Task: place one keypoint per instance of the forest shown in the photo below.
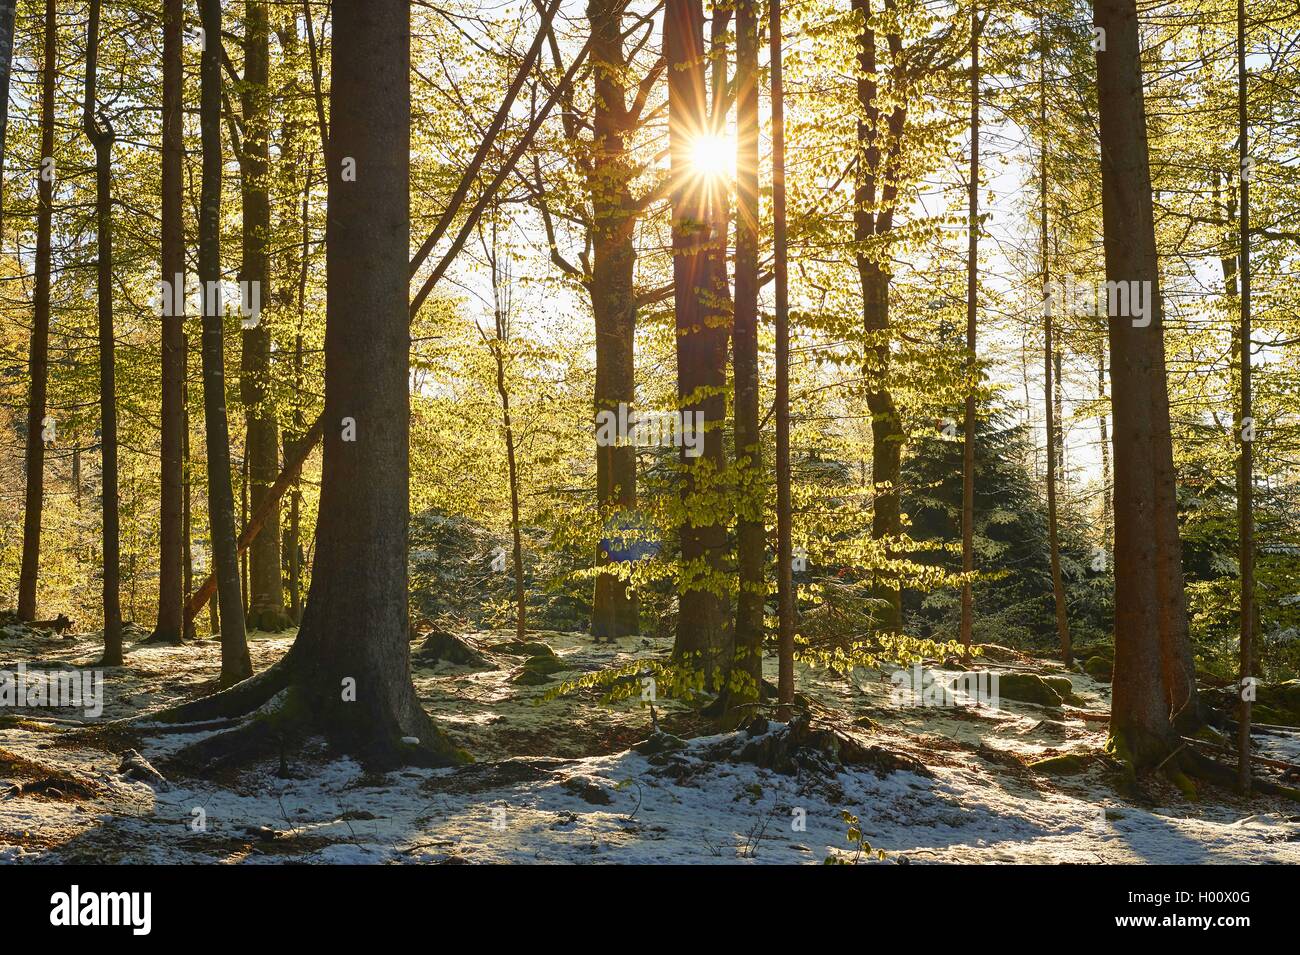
(649, 431)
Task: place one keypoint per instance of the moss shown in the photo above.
(1067, 764)
(525, 648)
(1063, 687)
(1099, 668)
(1027, 688)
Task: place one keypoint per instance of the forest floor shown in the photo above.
(559, 780)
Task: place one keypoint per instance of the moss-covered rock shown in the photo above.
(525, 648)
(537, 670)
(1063, 687)
(1067, 764)
(442, 647)
(1027, 688)
(1099, 668)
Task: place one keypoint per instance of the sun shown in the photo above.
(712, 156)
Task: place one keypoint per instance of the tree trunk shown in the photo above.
(172, 533)
(235, 664)
(7, 11)
(784, 510)
(1107, 510)
(1245, 424)
(873, 219)
(1150, 681)
(101, 136)
(1051, 396)
(355, 627)
(262, 445)
(972, 306)
(614, 610)
(701, 349)
(187, 524)
(751, 536)
(38, 356)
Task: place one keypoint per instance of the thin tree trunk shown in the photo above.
(262, 444)
(100, 133)
(7, 10)
(498, 345)
(750, 532)
(1150, 679)
(784, 510)
(972, 305)
(1245, 423)
(187, 511)
(38, 355)
(872, 219)
(171, 532)
(701, 347)
(1107, 510)
(1051, 396)
(235, 663)
(615, 609)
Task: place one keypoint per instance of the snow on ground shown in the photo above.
(558, 781)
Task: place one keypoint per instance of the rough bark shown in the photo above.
(1150, 683)
(235, 664)
(38, 354)
(262, 442)
(171, 532)
(7, 11)
(1051, 396)
(614, 605)
(972, 305)
(701, 348)
(1245, 424)
(874, 199)
(355, 625)
(100, 133)
(750, 532)
(784, 510)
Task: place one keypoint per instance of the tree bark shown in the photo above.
(38, 355)
(701, 349)
(235, 663)
(784, 510)
(262, 443)
(355, 625)
(1051, 396)
(171, 532)
(751, 536)
(972, 307)
(100, 133)
(7, 10)
(615, 609)
(1152, 681)
(874, 200)
(1245, 424)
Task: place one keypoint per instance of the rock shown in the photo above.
(1027, 688)
(524, 648)
(537, 670)
(1063, 687)
(658, 743)
(137, 768)
(588, 790)
(1099, 668)
(442, 647)
(1066, 764)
